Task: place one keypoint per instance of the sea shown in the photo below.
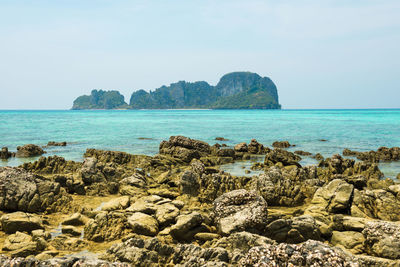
(141, 131)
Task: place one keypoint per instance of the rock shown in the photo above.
(352, 241)
(166, 214)
(75, 219)
(382, 239)
(242, 147)
(28, 151)
(22, 245)
(335, 197)
(294, 230)
(318, 156)
(256, 148)
(53, 143)
(240, 210)
(302, 153)
(348, 152)
(281, 144)
(119, 203)
(379, 203)
(90, 173)
(190, 183)
(204, 237)
(221, 139)
(5, 154)
(143, 224)
(310, 253)
(184, 148)
(106, 226)
(20, 221)
(226, 152)
(68, 243)
(23, 191)
(185, 226)
(70, 230)
(279, 155)
(382, 154)
(46, 259)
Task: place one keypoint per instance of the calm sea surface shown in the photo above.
(121, 129)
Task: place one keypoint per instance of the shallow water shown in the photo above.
(123, 130)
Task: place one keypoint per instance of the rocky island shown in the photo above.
(179, 208)
(237, 90)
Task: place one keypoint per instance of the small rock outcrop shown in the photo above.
(5, 154)
(240, 210)
(20, 221)
(184, 148)
(28, 151)
(53, 143)
(281, 144)
(281, 156)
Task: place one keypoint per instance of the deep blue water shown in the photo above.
(120, 129)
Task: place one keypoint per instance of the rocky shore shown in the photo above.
(179, 208)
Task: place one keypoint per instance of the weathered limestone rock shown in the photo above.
(281, 144)
(5, 154)
(53, 143)
(310, 253)
(240, 210)
(166, 214)
(29, 150)
(255, 147)
(70, 230)
(382, 239)
(23, 191)
(187, 226)
(281, 156)
(184, 148)
(23, 245)
(119, 203)
(242, 147)
(20, 221)
(106, 226)
(143, 224)
(294, 230)
(350, 240)
(75, 219)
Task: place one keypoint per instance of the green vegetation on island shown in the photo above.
(236, 90)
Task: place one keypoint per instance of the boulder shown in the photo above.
(294, 230)
(106, 226)
(22, 245)
(5, 154)
(28, 151)
(190, 183)
(166, 214)
(240, 210)
(281, 144)
(302, 153)
(24, 191)
(382, 239)
(53, 143)
(184, 148)
(75, 219)
(90, 173)
(242, 147)
(20, 221)
(143, 224)
(284, 157)
(119, 203)
(255, 147)
(310, 253)
(186, 226)
(350, 240)
(70, 230)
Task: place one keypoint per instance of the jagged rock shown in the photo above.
(23, 245)
(281, 156)
(106, 226)
(23, 191)
(5, 154)
(68, 243)
(58, 262)
(166, 214)
(20, 221)
(70, 230)
(281, 144)
(350, 240)
(310, 253)
(318, 157)
(379, 203)
(287, 187)
(28, 151)
(221, 139)
(335, 197)
(143, 224)
(187, 226)
(382, 154)
(119, 203)
(242, 147)
(53, 143)
(382, 239)
(255, 147)
(302, 153)
(294, 230)
(226, 152)
(75, 219)
(52, 165)
(184, 148)
(90, 173)
(240, 210)
(190, 183)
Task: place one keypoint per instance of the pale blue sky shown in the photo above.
(320, 54)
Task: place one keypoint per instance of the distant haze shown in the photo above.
(320, 54)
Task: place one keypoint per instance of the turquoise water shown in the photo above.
(120, 129)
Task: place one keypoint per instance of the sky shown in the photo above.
(320, 54)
